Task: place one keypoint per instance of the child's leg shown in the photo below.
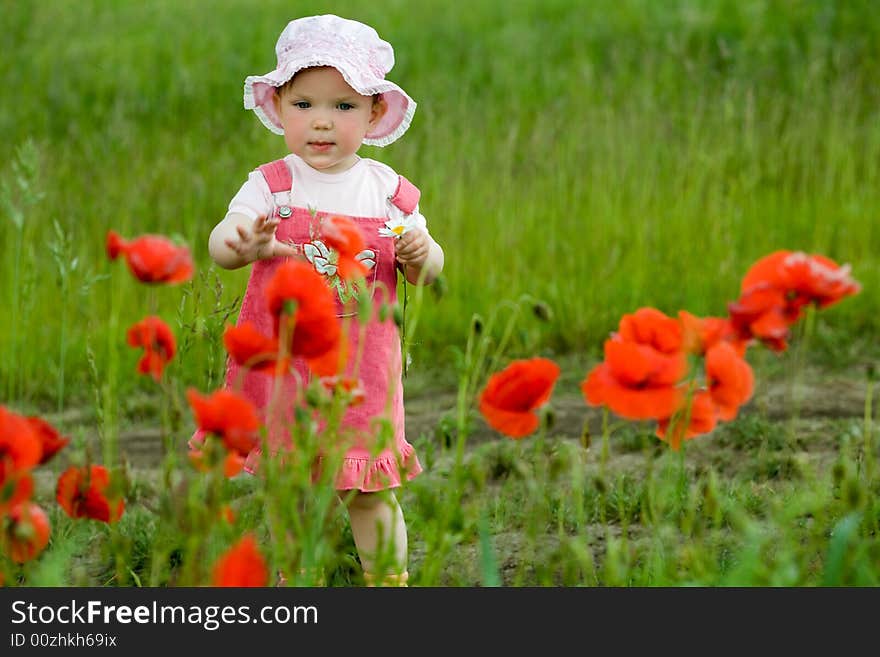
(377, 525)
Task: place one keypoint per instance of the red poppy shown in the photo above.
(241, 565)
(687, 423)
(233, 462)
(348, 387)
(766, 271)
(700, 333)
(314, 328)
(227, 514)
(802, 278)
(730, 379)
(158, 343)
(343, 235)
(52, 441)
(83, 493)
(26, 532)
(817, 279)
(636, 381)
(762, 313)
(152, 258)
(511, 396)
(229, 415)
(17, 487)
(330, 362)
(651, 327)
(20, 450)
(253, 350)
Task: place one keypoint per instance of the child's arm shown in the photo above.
(239, 240)
(417, 251)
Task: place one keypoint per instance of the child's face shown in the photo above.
(324, 119)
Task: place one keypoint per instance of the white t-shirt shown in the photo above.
(364, 190)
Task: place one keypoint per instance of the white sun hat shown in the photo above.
(353, 49)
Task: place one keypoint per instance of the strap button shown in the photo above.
(284, 212)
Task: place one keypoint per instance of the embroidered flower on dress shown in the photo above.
(343, 236)
(324, 259)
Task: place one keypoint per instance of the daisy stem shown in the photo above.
(407, 332)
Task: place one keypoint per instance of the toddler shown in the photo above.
(327, 96)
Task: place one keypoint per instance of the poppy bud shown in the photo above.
(586, 438)
(542, 311)
(303, 418)
(365, 306)
(439, 287)
(398, 315)
(710, 499)
(853, 494)
(314, 398)
(549, 417)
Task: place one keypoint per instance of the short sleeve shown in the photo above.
(421, 222)
(253, 199)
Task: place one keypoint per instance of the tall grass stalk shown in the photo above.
(20, 193)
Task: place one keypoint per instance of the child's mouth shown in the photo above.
(320, 145)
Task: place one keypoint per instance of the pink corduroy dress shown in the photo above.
(363, 466)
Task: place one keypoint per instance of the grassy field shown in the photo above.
(593, 156)
(598, 156)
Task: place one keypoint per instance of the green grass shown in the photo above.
(539, 512)
(598, 156)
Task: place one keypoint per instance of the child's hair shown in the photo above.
(284, 87)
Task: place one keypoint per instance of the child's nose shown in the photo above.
(322, 122)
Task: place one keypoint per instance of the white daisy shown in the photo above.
(398, 225)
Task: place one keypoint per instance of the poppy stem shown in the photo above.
(682, 474)
(805, 330)
(869, 431)
(606, 447)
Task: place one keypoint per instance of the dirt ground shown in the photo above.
(819, 401)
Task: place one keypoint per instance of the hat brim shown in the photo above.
(260, 89)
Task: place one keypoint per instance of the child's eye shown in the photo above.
(345, 106)
(302, 104)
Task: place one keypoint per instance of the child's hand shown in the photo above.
(259, 242)
(412, 248)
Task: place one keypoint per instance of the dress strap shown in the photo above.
(277, 175)
(406, 197)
